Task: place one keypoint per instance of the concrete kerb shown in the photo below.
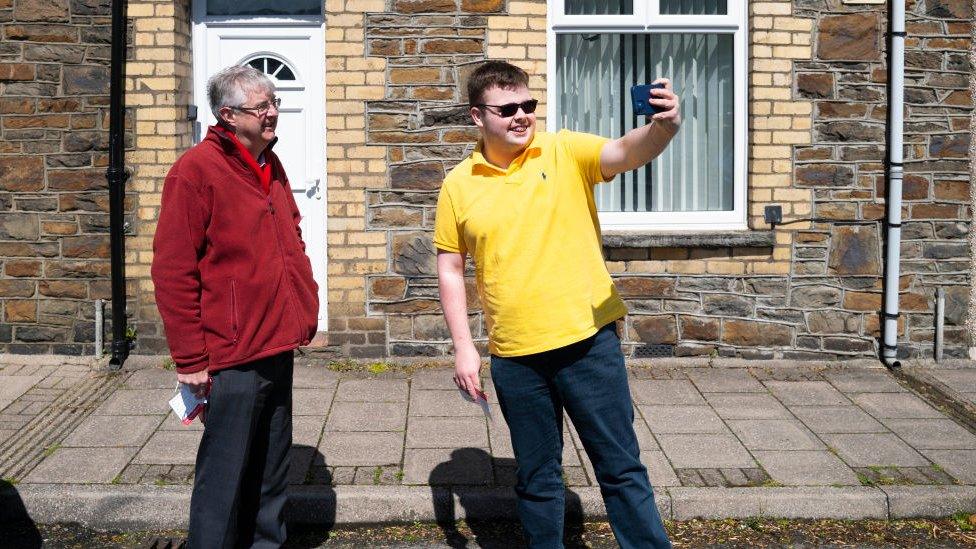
(167, 507)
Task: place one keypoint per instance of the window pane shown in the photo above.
(695, 173)
(694, 7)
(599, 7)
(263, 7)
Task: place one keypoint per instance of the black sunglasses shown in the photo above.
(509, 109)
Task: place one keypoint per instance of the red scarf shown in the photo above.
(263, 172)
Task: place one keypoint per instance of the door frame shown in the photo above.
(201, 23)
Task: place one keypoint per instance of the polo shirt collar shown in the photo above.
(479, 158)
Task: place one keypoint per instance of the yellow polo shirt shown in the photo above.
(534, 235)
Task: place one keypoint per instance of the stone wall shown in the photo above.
(817, 133)
(845, 167)
(54, 245)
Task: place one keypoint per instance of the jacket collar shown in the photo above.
(226, 139)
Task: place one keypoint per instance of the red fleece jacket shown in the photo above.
(233, 283)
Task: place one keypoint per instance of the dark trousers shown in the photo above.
(587, 379)
(242, 463)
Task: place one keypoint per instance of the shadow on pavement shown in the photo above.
(464, 476)
(311, 510)
(19, 530)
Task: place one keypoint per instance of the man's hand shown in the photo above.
(198, 382)
(467, 366)
(667, 100)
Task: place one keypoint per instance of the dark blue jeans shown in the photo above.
(587, 379)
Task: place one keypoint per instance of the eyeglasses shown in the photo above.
(509, 109)
(263, 108)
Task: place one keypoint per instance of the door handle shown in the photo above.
(313, 189)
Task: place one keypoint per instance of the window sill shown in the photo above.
(641, 239)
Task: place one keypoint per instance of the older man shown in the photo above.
(236, 295)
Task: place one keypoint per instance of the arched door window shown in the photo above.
(277, 69)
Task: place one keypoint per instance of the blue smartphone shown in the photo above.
(640, 94)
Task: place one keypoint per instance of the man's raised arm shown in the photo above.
(641, 145)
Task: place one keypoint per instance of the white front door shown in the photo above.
(293, 56)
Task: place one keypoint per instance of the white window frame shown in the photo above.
(646, 19)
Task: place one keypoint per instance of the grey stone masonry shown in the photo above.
(54, 244)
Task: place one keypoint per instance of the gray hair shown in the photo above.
(229, 87)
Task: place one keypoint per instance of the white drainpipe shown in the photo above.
(896, 120)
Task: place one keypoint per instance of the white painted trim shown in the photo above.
(735, 23)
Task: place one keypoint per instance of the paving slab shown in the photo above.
(806, 468)
(307, 430)
(874, 449)
(961, 464)
(895, 405)
(434, 379)
(113, 431)
(442, 403)
(665, 392)
(864, 381)
(682, 419)
(367, 416)
(314, 377)
(312, 402)
(362, 449)
(372, 390)
(932, 434)
(837, 419)
(170, 448)
(659, 470)
(438, 432)
(133, 402)
(151, 378)
(725, 380)
(747, 406)
(775, 434)
(807, 393)
(962, 380)
(81, 465)
(448, 466)
(12, 387)
(173, 423)
(702, 451)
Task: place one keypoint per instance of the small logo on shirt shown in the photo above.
(543, 175)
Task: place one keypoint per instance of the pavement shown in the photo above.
(720, 439)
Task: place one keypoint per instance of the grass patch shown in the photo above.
(377, 368)
(51, 449)
(377, 474)
(169, 364)
(965, 521)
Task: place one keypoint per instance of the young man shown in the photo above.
(522, 205)
(235, 291)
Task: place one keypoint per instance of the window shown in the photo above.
(263, 7)
(274, 68)
(598, 49)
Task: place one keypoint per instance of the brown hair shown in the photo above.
(494, 73)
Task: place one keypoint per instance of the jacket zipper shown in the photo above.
(233, 308)
(284, 264)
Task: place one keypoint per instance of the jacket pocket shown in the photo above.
(234, 321)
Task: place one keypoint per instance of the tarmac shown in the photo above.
(720, 439)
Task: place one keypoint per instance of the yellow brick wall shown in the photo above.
(158, 90)
(352, 165)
